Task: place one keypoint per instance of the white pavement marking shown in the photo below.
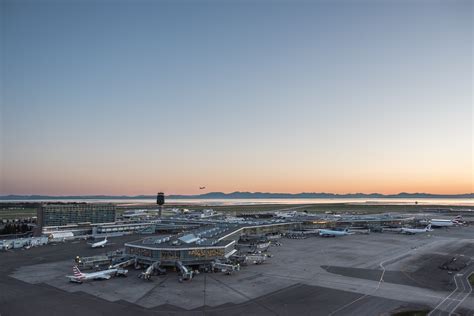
(469, 293)
(381, 264)
(463, 278)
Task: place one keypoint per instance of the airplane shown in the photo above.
(99, 243)
(179, 210)
(458, 220)
(286, 214)
(441, 223)
(202, 188)
(333, 233)
(80, 277)
(412, 231)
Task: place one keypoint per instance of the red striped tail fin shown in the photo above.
(77, 272)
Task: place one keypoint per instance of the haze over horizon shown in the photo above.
(130, 98)
(241, 192)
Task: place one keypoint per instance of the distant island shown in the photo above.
(246, 195)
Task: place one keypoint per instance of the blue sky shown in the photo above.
(131, 97)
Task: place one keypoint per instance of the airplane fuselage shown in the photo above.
(412, 231)
(332, 233)
(99, 244)
(441, 223)
(80, 277)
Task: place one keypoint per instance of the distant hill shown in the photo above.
(245, 195)
(304, 195)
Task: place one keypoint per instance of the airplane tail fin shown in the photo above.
(77, 272)
(428, 227)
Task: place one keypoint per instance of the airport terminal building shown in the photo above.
(199, 246)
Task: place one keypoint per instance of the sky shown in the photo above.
(135, 97)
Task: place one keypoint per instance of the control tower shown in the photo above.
(160, 200)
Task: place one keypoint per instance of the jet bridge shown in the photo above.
(185, 274)
(153, 269)
(92, 262)
(225, 267)
(124, 263)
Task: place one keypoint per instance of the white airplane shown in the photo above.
(180, 210)
(99, 243)
(412, 231)
(80, 277)
(442, 223)
(288, 214)
(333, 233)
(458, 220)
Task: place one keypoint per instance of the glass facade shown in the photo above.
(187, 255)
(122, 227)
(64, 214)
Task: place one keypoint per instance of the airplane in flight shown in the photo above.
(334, 233)
(98, 244)
(80, 277)
(202, 188)
(412, 231)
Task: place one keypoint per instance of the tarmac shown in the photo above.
(372, 274)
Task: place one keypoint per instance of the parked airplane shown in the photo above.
(333, 233)
(80, 277)
(288, 214)
(441, 223)
(458, 220)
(98, 244)
(412, 231)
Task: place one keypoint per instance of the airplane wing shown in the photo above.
(102, 277)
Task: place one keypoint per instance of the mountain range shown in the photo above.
(245, 195)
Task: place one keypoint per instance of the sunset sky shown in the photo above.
(135, 97)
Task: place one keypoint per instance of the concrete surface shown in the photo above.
(363, 274)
